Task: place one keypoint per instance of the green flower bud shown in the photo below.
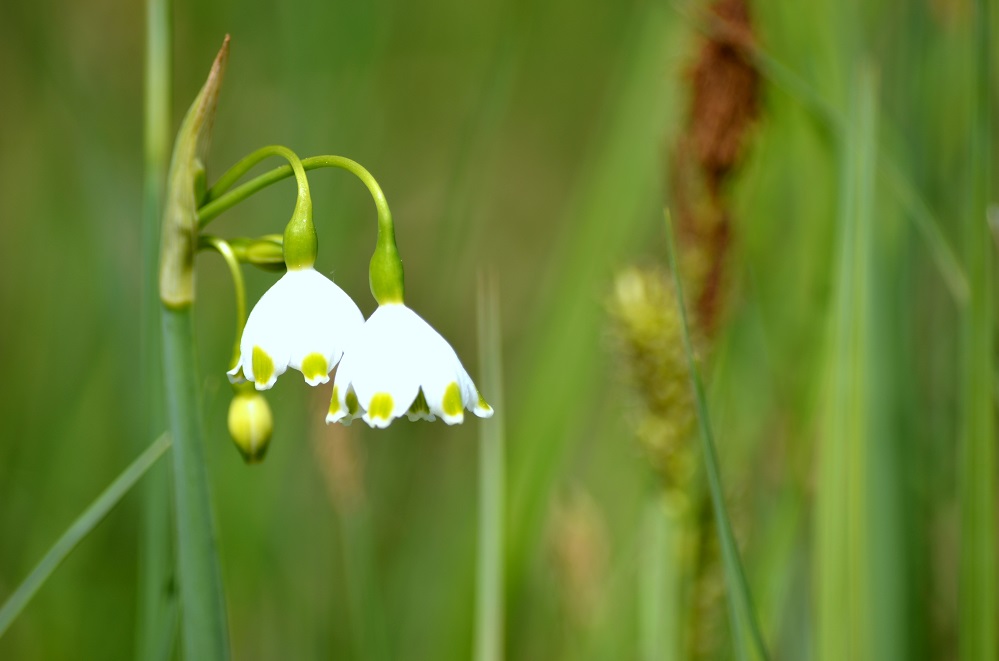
(264, 252)
(250, 424)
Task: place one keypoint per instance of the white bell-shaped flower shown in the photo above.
(303, 321)
(398, 364)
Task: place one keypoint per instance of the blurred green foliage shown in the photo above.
(530, 138)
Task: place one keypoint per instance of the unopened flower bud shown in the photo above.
(264, 252)
(250, 424)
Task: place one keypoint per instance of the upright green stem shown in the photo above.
(156, 606)
(661, 579)
(204, 625)
(977, 479)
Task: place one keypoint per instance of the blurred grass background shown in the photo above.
(538, 140)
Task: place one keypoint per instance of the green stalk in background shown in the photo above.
(842, 546)
(156, 618)
(977, 463)
(202, 602)
(489, 565)
(661, 580)
(740, 600)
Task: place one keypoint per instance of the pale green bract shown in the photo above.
(398, 364)
(303, 321)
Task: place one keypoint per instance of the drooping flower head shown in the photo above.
(304, 320)
(397, 363)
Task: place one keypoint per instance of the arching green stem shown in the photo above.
(300, 241)
(385, 272)
(222, 247)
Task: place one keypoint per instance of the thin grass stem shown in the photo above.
(78, 530)
(740, 599)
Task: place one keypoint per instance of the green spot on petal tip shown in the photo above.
(263, 366)
(452, 404)
(352, 404)
(381, 406)
(314, 367)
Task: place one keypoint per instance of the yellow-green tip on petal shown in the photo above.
(381, 406)
(251, 425)
(337, 413)
(452, 404)
(315, 369)
(483, 408)
(263, 368)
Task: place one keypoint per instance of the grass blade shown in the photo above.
(79, 529)
(977, 633)
(740, 599)
(489, 570)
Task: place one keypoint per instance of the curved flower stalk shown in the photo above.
(397, 363)
(304, 319)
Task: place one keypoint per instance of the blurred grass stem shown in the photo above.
(661, 580)
(156, 616)
(842, 547)
(977, 634)
(740, 599)
(489, 564)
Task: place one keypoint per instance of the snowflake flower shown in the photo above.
(398, 364)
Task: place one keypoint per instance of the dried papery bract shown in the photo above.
(185, 179)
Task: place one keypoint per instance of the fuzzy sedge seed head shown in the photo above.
(648, 330)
